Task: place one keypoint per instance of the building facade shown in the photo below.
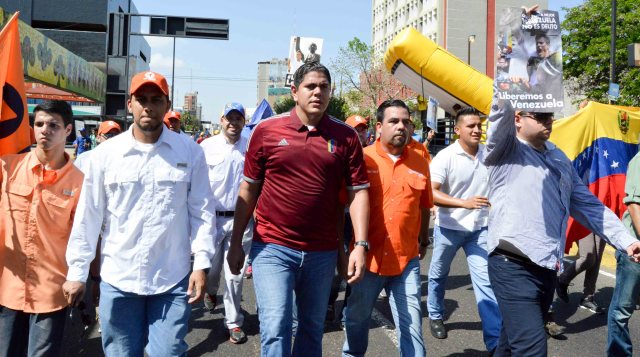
(272, 76)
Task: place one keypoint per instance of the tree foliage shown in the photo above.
(337, 106)
(364, 79)
(586, 43)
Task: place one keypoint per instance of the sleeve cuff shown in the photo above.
(77, 274)
(359, 187)
(201, 261)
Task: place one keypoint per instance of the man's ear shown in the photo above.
(294, 93)
(68, 129)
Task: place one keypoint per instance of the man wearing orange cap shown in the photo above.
(361, 125)
(150, 187)
(107, 130)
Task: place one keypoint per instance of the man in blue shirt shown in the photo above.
(82, 143)
(533, 189)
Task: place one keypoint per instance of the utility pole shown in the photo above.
(612, 60)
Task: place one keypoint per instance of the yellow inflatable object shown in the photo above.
(430, 70)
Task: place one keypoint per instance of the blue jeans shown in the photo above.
(24, 334)
(279, 272)
(404, 298)
(622, 305)
(445, 246)
(131, 322)
(524, 292)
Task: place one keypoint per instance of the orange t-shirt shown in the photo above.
(397, 194)
(38, 208)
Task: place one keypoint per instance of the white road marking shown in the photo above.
(387, 326)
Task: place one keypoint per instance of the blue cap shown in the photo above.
(233, 106)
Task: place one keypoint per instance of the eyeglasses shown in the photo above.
(109, 135)
(543, 119)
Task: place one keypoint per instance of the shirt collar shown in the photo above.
(33, 163)
(296, 124)
(382, 153)
(165, 138)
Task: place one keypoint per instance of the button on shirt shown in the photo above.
(532, 194)
(226, 163)
(462, 176)
(397, 194)
(38, 207)
(303, 170)
(152, 198)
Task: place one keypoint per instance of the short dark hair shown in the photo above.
(466, 111)
(59, 107)
(543, 35)
(302, 71)
(389, 103)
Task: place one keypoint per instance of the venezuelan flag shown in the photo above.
(15, 133)
(600, 140)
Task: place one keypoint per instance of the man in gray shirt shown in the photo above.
(533, 189)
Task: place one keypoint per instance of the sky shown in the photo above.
(226, 71)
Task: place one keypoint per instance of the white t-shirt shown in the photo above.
(460, 176)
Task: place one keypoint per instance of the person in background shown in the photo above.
(107, 130)
(82, 143)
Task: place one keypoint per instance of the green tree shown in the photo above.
(337, 106)
(586, 44)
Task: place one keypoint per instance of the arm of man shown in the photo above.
(359, 211)
(87, 224)
(598, 218)
(501, 135)
(202, 222)
(441, 199)
(246, 204)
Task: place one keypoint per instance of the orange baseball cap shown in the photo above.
(149, 77)
(107, 126)
(356, 120)
(173, 114)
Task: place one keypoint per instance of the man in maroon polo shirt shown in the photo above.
(295, 166)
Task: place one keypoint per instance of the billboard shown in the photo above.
(45, 61)
(302, 50)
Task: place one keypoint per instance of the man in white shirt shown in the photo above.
(460, 189)
(150, 187)
(225, 157)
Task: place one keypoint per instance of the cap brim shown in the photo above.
(133, 90)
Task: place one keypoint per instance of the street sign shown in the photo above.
(190, 27)
(614, 91)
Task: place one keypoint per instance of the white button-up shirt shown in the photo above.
(156, 205)
(226, 164)
(460, 176)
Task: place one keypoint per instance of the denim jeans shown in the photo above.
(524, 292)
(404, 298)
(33, 335)
(623, 302)
(278, 273)
(445, 246)
(133, 323)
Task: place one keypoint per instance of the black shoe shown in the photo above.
(562, 292)
(437, 329)
(588, 304)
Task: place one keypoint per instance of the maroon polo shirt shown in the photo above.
(302, 172)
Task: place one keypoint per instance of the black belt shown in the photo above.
(512, 256)
(225, 213)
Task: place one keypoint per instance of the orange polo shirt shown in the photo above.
(38, 208)
(420, 149)
(397, 193)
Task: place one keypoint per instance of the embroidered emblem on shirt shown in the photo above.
(415, 172)
(67, 192)
(182, 164)
(283, 142)
(331, 145)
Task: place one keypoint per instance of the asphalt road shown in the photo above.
(586, 333)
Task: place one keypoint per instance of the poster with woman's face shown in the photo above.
(303, 50)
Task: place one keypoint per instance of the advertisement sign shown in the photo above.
(529, 61)
(302, 50)
(45, 61)
(432, 110)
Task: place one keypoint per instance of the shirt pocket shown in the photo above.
(19, 199)
(216, 171)
(173, 185)
(122, 189)
(413, 187)
(58, 213)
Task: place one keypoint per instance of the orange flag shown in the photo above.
(14, 115)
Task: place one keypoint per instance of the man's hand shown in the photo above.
(73, 291)
(357, 264)
(476, 202)
(422, 248)
(197, 282)
(235, 258)
(633, 251)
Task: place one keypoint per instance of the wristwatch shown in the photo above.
(362, 243)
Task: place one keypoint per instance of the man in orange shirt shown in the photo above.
(400, 199)
(39, 193)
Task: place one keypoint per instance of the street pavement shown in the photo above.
(586, 333)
